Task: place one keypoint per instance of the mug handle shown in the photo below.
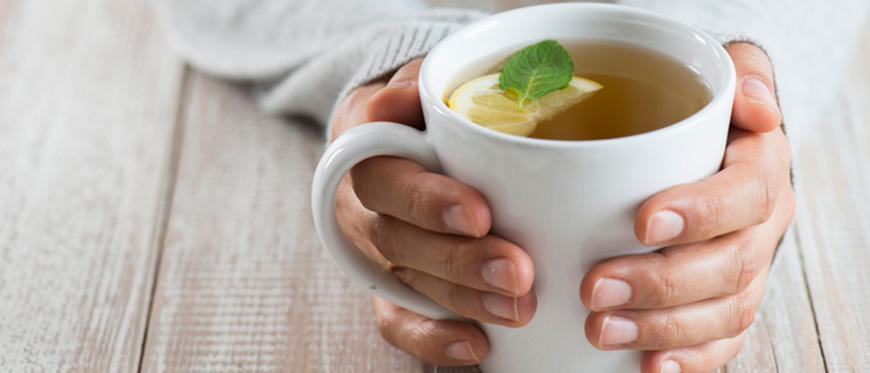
(354, 146)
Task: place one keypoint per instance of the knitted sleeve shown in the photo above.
(303, 56)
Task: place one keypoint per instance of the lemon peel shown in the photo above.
(482, 101)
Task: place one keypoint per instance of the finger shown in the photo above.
(375, 101)
(679, 275)
(687, 325)
(355, 222)
(474, 304)
(490, 263)
(705, 357)
(755, 104)
(405, 190)
(435, 342)
(351, 111)
(399, 101)
(743, 194)
(431, 201)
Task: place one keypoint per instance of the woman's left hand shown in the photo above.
(690, 303)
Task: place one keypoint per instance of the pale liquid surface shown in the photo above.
(643, 91)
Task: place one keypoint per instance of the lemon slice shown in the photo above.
(483, 102)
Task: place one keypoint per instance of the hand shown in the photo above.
(689, 304)
(434, 231)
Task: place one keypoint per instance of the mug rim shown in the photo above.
(715, 48)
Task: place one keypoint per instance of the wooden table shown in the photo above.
(153, 219)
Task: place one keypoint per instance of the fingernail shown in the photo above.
(609, 292)
(663, 226)
(461, 351)
(502, 274)
(460, 219)
(501, 306)
(400, 84)
(617, 331)
(756, 91)
(670, 366)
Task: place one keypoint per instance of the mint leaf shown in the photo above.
(537, 70)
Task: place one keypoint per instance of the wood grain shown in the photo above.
(244, 284)
(88, 96)
(783, 337)
(89, 125)
(833, 221)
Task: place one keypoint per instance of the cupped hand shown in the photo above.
(690, 303)
(433, 231)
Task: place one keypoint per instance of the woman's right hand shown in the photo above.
(433, 231)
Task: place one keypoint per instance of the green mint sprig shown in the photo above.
(537, 70)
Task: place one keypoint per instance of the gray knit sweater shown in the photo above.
(305, 55)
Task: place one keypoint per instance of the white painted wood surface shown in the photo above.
(833, 225)
(88, 95)
(116, 165)
(244, 284)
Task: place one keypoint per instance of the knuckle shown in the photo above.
(454, 299)
(373, 230)
(417, 204)
(746, 267)
(380, 235)
(419, 339)
(710, 212)
(767, 193)
(745, 322)
(451, 262)
(665, 288)
(670, 333)
(743, 315)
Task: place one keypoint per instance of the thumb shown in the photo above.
(755, 104)
(399, 101)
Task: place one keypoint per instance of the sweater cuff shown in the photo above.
(396, 45)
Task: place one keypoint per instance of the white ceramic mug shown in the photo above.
(569, 204)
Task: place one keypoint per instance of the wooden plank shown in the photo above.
(218, 293)
(783, 337)
(88, 96)
(244, 284)
(833, 221)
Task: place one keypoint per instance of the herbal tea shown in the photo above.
(640, 91)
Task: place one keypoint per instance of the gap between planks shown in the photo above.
(164, 208)
(799, 248)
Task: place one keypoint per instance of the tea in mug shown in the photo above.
(641, 90)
